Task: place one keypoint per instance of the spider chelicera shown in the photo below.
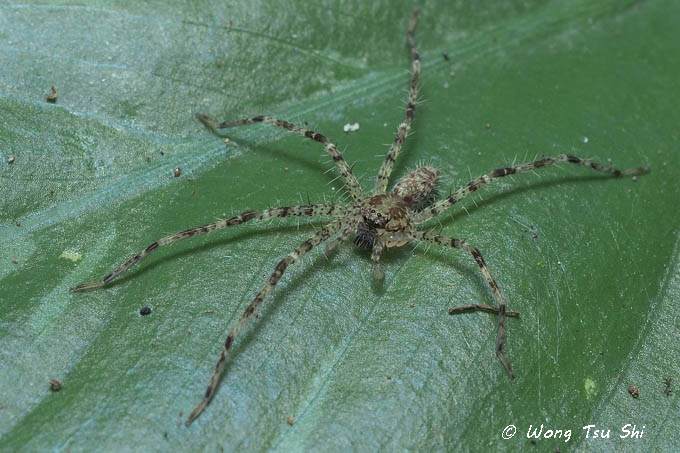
(376, 221)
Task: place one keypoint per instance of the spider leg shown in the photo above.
(317, 210)
(476, 183)
(320, 236)
(488, 308)
(500, 336)
(402, 132)
(333, 151)
(346, 231)
(377, 249)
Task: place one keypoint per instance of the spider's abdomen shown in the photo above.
(416, 187)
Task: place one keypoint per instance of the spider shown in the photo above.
(377, 221)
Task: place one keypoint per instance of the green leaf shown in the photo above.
(591, 262)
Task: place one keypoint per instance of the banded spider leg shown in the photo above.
(318, 210)
(472, 186)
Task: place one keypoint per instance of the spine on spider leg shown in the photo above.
(285, 211)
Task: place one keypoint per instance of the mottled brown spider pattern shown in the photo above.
(376, 221)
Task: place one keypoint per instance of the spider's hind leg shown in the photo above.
(502, 304)
(319, 237)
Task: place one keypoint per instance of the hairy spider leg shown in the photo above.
(472, 186)
(347, 230)
(402, 132)
(319, 237)
(481, 307)
(333, 151)
(456, 243)
(441, 206)
(317, 210)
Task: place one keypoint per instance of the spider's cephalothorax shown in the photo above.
(377, 221)
(386, 218)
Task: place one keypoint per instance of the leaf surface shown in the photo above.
(591, 262)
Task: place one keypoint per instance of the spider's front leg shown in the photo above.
(502, 304)
(472, 186)
(285, 211)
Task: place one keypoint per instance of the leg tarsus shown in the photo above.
(506, 364)
(500, 337)
(487, 308)
(207, 121)
(500, 342)
(87, 286)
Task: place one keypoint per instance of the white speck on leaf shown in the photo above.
(351, 127)
(70, 255)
